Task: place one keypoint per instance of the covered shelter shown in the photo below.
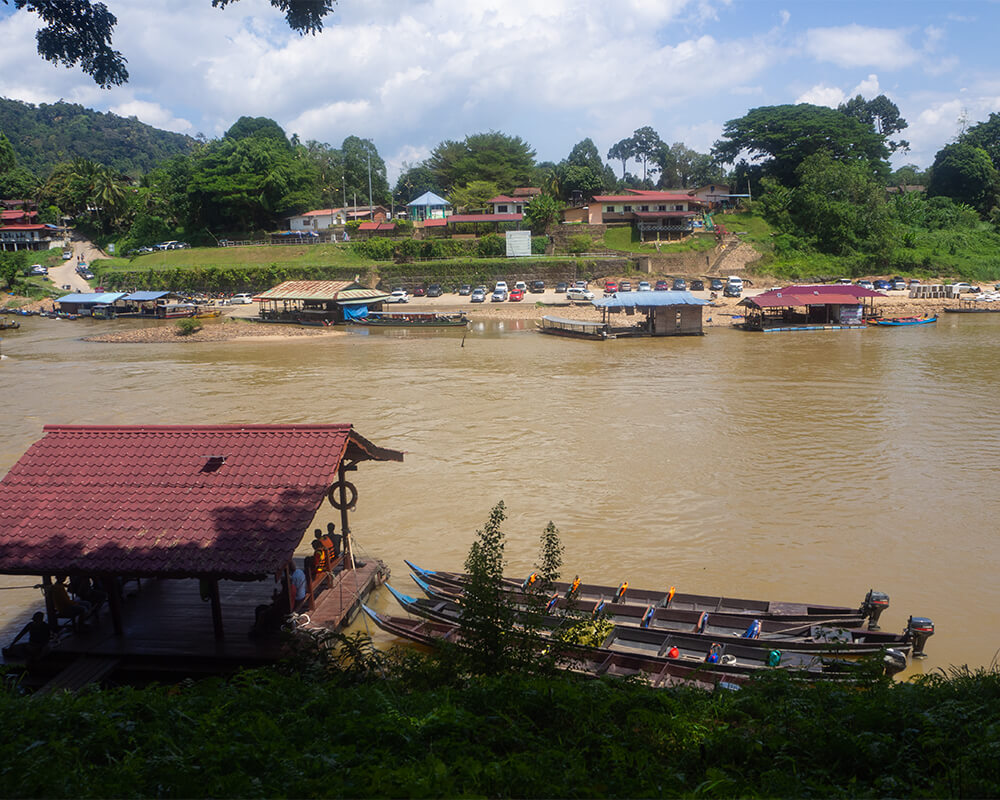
(143, 303)
(428, 206)
(317, 302)
(821, 307)
(665, 313)
(85, 302)
(219, 504)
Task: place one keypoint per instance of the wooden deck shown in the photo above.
(168, 631)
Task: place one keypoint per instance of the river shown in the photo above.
(809, 466)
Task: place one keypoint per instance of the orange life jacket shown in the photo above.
(321, 561)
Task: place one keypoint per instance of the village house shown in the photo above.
(428, 206)
(326, 218)
(652, 212)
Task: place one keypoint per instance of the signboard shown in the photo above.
(518, 244)
(111, 249)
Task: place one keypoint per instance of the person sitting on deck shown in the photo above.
(84, 589)
(39, 634)
(65, 607)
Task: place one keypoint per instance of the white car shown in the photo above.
(575, 293)
(242, 299)
(522, 286)
(501, 287)
(644, 287)
(38, 269)
(499, 295)
(961, 287)
(398, 296)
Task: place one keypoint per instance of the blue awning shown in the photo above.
(649, 300)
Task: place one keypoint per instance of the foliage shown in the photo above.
(187, 327)
(414, 180)
(473, 197)
(541, 212)
(12, 265)
(780, 138)
(50, 133)
(504, 160)
(987, 136)
(882, 115)
(622, 151)
(908, 175)
(492, 245)
(488, 639)
(965, 174)
(580, 243)
(550, 557)
(681, 167)
(357, 154)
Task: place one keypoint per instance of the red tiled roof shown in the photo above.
(16, 214)
(377, 226)
(24, 227)
(502, 198)
(829, 295)
(661, 214)
(485, 218)
(647, 196)
(527, 191)
(437, 222)
(145, 500)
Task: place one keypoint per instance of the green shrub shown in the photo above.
(579, 243)
(187, 327)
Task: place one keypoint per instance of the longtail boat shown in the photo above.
(411, 319)
(722, 656)
(829, 636)
(657, 672)
(871, 609)
(899, 322)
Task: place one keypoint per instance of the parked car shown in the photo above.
(172, 245)
(244, 298)
(579, 293)
(522, 286)
(866, 284)
(715, 284)
(501, 285)
(499, 295)
(465, 290)
(697, 286)
(582, 284)
(67, 255)
(661, 286)
(843, 281)
(963, 287)
(478, 296)
(898, 285)
(38, 269)
(732, 290)
(610, 287)
(679, 285)
(625, 286)
(537, 287)
(434, 290)
(516, 295)
(87, 275)
(561, 287)
(644, 287)
(396, 296)
(420, 291)
(880, 284)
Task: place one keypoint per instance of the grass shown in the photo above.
(626, 239)
(318, 255)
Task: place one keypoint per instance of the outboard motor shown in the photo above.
(919, 630)
(875, 603)
(894, 661)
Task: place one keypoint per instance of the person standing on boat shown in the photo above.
(331, 532)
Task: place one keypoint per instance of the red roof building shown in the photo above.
(831, 306)
(210, 501)
(652, 211)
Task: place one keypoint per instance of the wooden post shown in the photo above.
(345, 529)
(216, 608)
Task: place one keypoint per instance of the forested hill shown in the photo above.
(47, 134)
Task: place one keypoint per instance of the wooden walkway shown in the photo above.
(168, 632)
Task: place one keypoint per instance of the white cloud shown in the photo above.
(784, 15)
(821, 95)
(868, 88)
(153, 114)
(860, 46)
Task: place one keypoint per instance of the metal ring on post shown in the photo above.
(352, 499)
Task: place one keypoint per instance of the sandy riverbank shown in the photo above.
(222, 330)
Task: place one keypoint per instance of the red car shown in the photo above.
(515, 295)
(661, 286)
(420, 291)
(610, 287)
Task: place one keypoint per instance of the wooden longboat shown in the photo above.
(829, 636)
(574, 328)
(901, 322)
(657, 672)
(9, 324)
(410, 319)
(176, 310)
(872, 607)
(734, 654)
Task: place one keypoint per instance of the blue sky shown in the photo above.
(410, 74)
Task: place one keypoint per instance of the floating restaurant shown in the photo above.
(188, 534)
(664, 314)
(810, 308)
(317, 302)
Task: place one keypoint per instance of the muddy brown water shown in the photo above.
(806, 466)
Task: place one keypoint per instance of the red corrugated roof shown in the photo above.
(23, 227)
(15, 214)
(368, 226)
(659, 214)
(435, 223)
(144, 500)
(790, 296)
(502, 198)
(648, 196)
(485, 218)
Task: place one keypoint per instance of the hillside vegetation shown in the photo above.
(47, 134)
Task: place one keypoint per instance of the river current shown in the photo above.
(805, 466)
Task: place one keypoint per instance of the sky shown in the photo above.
(411, 74)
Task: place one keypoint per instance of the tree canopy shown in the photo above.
(881, 114)
(504, 160)
(780, 138)
(987, 136)
(965, 174)
(79, 32)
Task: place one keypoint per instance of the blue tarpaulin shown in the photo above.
(355, 312)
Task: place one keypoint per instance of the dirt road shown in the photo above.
(66, 275)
